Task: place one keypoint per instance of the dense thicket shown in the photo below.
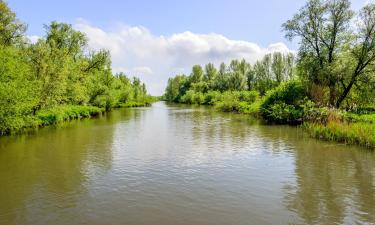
(58, 70)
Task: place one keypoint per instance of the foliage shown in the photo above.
(333, 55)
(57, 78)
(11, 29)
(238, 76)
(65, 113)
(284, 103)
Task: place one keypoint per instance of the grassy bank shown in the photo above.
(287, 104)
(57, 115)
(45, 117)
(342, 126)
(65, 113)
(349, 133)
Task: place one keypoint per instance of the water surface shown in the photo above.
(181, 165)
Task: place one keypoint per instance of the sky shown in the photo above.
(155, 40)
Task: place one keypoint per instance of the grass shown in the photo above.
(65, 113)
(359, 133)
(366, 118)
(59, 114)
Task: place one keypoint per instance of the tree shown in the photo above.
(11, 29)
(363, 52)
(238, 71)
(176, 88)
(197, 74)
(278, 67)
(221, 82)
(18, 90)
(323, 27)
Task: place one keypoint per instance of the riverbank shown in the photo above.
(60, 114)
(287, 104)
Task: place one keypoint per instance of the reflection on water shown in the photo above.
(182, 165)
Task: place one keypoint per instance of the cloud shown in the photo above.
(138, 52)
(143, 70)
(33, 38)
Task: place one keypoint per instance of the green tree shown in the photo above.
(11, 29)
(328, 46)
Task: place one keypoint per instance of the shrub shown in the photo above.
(198, 98)
(229, 102)
(248, 96)
(212, 97)
(65, 113)
(188, 98)
(284, 104)
(253, 108)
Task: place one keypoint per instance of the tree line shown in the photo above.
(335, 61)
(239, 75)
(58, 70)
(328, 86)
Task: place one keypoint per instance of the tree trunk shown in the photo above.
(345, 93)
(332, 94)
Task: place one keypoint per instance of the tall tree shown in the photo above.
(11, 29)
(322, 27)
(362, 53)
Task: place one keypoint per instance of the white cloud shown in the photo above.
(143, 70)
(136, 51)
(33, 39)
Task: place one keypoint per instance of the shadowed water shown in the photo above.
(172, 165)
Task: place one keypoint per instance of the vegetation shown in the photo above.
(329, 86)
(57, 78)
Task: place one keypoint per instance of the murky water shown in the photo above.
(172, 165)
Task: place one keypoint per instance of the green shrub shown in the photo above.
(253, 108)
(199, 98)
(248, 96)
(212, 97)
(188, 98)
(229, 102)
(284, 104)
(65, 113)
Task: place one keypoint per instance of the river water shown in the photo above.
(177, 165)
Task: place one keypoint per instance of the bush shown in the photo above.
(229, 102)
(65, 113)
(198, 98)
(284, 104)
(188, 98)
(253, 108)
(248, 96)
(212, 97)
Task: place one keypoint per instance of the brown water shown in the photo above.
(172, 165)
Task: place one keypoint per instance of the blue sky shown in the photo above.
(178, 29)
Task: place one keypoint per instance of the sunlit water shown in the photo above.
(172, 165)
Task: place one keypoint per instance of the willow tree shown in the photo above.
(362, 53)
(328, 41)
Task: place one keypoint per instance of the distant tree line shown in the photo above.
(239, 75)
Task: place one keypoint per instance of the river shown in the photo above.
(177, 165)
